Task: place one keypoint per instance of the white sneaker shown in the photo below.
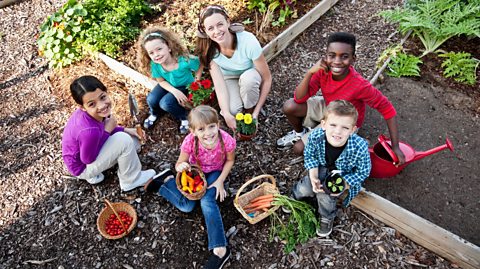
(141, 180)
(290, 138)
(96, 179)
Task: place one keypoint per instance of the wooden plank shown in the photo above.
(274, 47)
(127, 71)
(419, 230)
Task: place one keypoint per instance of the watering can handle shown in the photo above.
(383, 140)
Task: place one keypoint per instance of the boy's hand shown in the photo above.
(182, 167)
(316, 185)
(320, 65)
(400, 156)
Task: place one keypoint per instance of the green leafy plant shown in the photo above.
(336, 185)
(435, 21)
(246, 124)
(461, 66)
(300, 225)
(402, 65)
(388, 52)
(92, 25)
(268, 7)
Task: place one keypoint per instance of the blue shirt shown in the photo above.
(248, 50)
(182, 76)
(354, 161)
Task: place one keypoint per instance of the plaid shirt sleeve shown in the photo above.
(314, 152)
(359, 157)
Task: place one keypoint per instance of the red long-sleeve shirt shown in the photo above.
(353, 88)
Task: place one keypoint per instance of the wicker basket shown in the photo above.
(196, 195)
(114, 208)
(242, 200)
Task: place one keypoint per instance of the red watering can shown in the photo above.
(383, 157)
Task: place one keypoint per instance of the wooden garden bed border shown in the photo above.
(417, 229)
(420, 230)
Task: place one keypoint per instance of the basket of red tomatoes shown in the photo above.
(116, 220)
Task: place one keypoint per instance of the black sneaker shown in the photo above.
(154, 184)
(326, 227)
(215, 262)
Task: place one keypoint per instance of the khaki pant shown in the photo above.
(315, 112)
(243, 90)
(119, 148)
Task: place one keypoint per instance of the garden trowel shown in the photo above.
(132, 103)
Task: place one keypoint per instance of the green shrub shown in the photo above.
(461, 66)
(93, 25)
(435, 21)
(402, 65)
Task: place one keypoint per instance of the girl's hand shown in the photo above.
(231, 121)
(110, 123)
(221, 192)
(316, 185)
(133, 132)
(180, 167)
(181, 97)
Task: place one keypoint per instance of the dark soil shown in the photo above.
(48, 217)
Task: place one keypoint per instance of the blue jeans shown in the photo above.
(160, 99)
(208, 203)
(327, 205)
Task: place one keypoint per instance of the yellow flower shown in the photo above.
(239, 116)
(248, 118)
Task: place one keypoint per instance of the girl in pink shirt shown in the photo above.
(214, 151)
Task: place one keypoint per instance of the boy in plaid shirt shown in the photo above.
(334, 146)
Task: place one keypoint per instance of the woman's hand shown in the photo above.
(180, 167)
(110, 123)
(231, 121)
(221, 192)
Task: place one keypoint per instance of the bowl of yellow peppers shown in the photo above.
(192, 184)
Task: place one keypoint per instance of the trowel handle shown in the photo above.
(140, 133)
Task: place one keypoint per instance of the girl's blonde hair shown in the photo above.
(173, 42)
(202, 116)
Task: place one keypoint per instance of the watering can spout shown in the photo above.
(422, 154)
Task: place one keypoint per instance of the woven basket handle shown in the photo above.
(257, 178)
(116, 215)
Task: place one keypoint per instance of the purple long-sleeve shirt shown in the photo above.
(83, 137)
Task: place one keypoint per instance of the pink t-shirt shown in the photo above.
(209, 159)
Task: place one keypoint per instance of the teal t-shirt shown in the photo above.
(182, 76)
(248, 50)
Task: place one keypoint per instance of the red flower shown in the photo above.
(190, 96)
(194, 86)
(206, 83)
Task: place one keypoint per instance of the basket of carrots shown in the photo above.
(256, 204)
(116, 220)
(192, 184)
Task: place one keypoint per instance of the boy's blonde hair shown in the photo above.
(202, 115)
(342, 108)
(173, 42)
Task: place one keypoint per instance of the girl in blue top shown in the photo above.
(161, 55)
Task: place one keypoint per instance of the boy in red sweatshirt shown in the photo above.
(335, 76)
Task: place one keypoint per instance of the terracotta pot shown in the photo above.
(244, 137)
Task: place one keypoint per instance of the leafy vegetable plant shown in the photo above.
(286, 9)
(461, 66)
(79, 28)
(300, 226)
(435, 21)
(404, 65)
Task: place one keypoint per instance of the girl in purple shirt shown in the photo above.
(92, 142)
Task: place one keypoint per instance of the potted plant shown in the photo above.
(201, 92)
(334, 184)
(246, 126)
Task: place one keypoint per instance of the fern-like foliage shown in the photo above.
(403, 65)
(435, 21)
(461, 66)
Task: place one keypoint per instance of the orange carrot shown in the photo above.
(264, 207)
(262, 197)
(262, 202)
